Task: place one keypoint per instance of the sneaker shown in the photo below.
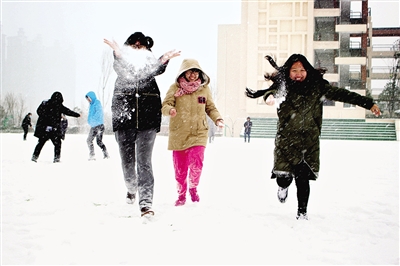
(106, 156)
(92, 157)
(130, 198)
(34, 158)
(180, 201)
(147, 215)
(282, 194)
(146, 211)
(56, 160)
(193, 194)
(301, 216)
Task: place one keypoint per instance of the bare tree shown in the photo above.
(106, 70)
(10, 106)
(390, 95)
(20, 110)
(3, 116)
(390, 98)
(14, 108)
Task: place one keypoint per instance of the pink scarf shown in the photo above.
(187, 87)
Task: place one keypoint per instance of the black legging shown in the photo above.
(25, 128)
(55, 138)
(303, 188)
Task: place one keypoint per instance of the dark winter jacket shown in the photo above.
(27, 121)
(300, 115)
(247, 127)
(49, 112)
(300, 121)
(136, 101)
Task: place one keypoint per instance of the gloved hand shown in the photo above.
(254, 94)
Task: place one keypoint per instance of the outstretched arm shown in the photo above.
(169, 55)
(255, 94)
(114, 45)
(268, 94)
(346, 96)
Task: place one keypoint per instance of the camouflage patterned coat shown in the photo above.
(300, 122)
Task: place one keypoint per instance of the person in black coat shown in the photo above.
(48, 124)
(26, 123)
(247, 129)
(136, 113)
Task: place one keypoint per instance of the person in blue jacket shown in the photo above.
(96, 123)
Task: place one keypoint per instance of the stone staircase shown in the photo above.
(345, 129)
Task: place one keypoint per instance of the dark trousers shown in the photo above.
(247, 135)
(135, 149)
(55, 138)
(303, 189)
(25, 131)
(96, 132)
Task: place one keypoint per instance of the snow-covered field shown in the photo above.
(74, 212)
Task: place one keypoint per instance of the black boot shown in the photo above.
(303, 194)
(302, 214)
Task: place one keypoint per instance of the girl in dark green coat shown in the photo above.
(302, 90)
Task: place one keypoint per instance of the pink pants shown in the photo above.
(189, 159)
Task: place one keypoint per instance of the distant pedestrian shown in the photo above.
(188, 102)
(48, 124)
(63, 126)
(26, 124)
(96, 123)
(247, 129)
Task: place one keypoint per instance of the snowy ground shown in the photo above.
(74, 212)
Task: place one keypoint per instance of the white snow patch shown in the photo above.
(74, 212)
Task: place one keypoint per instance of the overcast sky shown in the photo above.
(189, 26)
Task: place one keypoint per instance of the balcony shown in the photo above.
(383, 51)
(351, 28)
(327, 12)
(333, 45)
(380, 72)
(351, 61)
(355, 81)
(355, 49)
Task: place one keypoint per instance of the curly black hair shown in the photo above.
(281, 75)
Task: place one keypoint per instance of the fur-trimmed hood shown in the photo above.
(189, 64)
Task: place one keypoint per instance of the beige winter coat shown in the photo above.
(189, 127)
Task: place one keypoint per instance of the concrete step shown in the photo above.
(351, 129)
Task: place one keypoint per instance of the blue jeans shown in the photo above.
(247, 135)
(96, 132)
